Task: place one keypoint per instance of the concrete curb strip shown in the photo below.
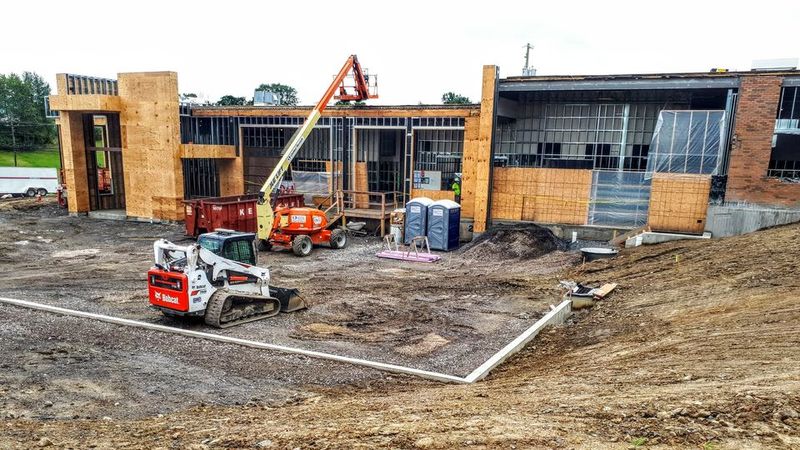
(556, 316)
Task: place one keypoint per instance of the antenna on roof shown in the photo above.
(528, 71)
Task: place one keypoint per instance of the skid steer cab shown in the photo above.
(216, 279)
(230, 244)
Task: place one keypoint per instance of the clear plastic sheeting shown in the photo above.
(688, 141)
(619, 199)
(311, 182)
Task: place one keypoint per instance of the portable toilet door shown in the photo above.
(444, 225)
(417, 218)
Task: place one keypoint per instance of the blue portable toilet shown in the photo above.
(416, 218)
(444, 225)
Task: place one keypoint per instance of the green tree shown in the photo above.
(451, 98)
(230, 100)
(286, 95)
(22, 108)
(349, 103)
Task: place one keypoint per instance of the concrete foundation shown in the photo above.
(652, 237)
(108, 214)
(732, 220)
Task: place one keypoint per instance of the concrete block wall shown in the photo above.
(759, 98)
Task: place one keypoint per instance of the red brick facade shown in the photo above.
(750, 153)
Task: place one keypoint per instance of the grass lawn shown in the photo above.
(38, 158)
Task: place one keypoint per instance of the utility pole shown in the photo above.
(14, 143)
(528, 71)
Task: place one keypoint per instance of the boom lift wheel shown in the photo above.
(338, 238)
(302, 245)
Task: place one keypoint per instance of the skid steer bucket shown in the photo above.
(290, 298)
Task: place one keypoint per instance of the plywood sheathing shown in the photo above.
(483, 158)
(86, 103)
(361, 185)
(151, 144)
(678, 203)
(207, 151)
(541, 195)
(468, 160)
(433, 195)
(339, 180)
(231, 176)
(73, 151)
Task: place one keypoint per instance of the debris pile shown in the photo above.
(521, 241)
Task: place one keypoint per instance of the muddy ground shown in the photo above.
(448, 317)
(698, 348)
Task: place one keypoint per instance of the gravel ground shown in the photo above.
(447, 317)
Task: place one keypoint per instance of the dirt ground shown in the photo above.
(448, 317)
(699, 347)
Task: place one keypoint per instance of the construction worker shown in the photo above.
(456, 188)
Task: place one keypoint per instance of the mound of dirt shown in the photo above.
(519, 241)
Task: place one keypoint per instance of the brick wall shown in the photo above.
(755, 121)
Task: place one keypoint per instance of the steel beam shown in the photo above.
(623, 85)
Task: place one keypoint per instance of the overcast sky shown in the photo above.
(419, 49)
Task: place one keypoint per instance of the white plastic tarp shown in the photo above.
(688, 141)
(311, 182)
(619, 199)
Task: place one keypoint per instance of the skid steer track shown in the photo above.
(226, 309)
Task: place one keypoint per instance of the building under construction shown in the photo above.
(684, 153)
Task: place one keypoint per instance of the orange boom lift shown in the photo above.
(301, 228)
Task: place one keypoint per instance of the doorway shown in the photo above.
(104, 170)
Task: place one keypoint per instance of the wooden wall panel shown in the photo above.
(542, 195)
(207, 151)
(433, 195)
(679, 203)
(339, 180)
(506, 206)
(231, 176)
(151, 148)
(362, 200)
(468, 165)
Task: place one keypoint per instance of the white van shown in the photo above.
(28, 181)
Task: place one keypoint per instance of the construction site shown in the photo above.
(600, 261)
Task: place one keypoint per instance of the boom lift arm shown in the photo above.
(264, 208)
